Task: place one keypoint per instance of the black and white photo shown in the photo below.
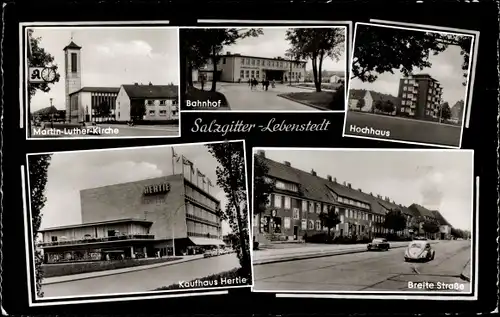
(359, 221)
(409, 85)
(174, 221)
(264, 69)
(101, 81)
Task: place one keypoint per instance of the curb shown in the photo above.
(463, 275)
(317, 255)
(304, 103)
(108, 273)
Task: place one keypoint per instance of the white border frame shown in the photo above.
(34, 301)
(431, 29)
(472, 295)
(347, 25)
(23, 68)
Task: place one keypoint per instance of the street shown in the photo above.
(367, 271)
(145, 280)
(122, 129)
(403, 129)
(241, 98)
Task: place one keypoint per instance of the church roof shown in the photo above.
(72, 45)
(114, 90)
(152, 91)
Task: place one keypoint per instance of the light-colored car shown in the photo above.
(419, 250)
(379, 244)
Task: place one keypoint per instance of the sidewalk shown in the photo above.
(311, 251)
(466, 272)
(83, 276)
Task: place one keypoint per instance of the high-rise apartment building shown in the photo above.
(420, 97)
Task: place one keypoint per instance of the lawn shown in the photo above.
(62, 269)
(195, 94)
(323, 100)
(213, 280)
(403, 129)
(323, 85)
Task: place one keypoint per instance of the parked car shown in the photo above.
(378, 244)
(208, 253)
(419, 250)
(419, 238)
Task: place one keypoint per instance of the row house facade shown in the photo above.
(299, 197)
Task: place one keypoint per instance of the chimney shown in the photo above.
(313, 172)
(349, 185)
(261, 153)
(360, 190)
(136, 84)
(329, 177)
(335, 179)
(228, 53)
(379, 197)
(287, 163)
(150, 84)
(344, 183)
(387, 199)
(371, 194)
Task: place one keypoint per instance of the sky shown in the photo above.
(111, 57)
(272, 44)
(446, 68)
(423, 177)
(71, 172)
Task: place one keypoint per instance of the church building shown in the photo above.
(94, 104)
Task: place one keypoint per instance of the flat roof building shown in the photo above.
(138, 219)
(240, 68)
(420, 97)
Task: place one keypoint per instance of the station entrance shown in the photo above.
(276, 75)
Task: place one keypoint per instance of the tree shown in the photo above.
(361, 103)
(380, 50)
(201, 45)
(316, 44)
(395, 221)
(388, 106)
(38, 166)
(444, 112)
(263, 186)
(329, 219)
(430, 227)
(231, 177)
(40, 58)
(196, 51)
(137, 109)
(378, 105)
(338, 100)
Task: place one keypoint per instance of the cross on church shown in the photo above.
(72, 36)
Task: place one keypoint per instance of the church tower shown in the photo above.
(73, 82)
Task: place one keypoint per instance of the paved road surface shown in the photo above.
(403, 129)
(241, 98)
(146, 280)
(368, 271)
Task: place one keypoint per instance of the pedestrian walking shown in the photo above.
(202, 81)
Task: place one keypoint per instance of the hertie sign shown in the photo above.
(157, 189)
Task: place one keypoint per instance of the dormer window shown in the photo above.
(286, 186)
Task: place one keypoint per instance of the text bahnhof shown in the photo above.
(146, 218)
